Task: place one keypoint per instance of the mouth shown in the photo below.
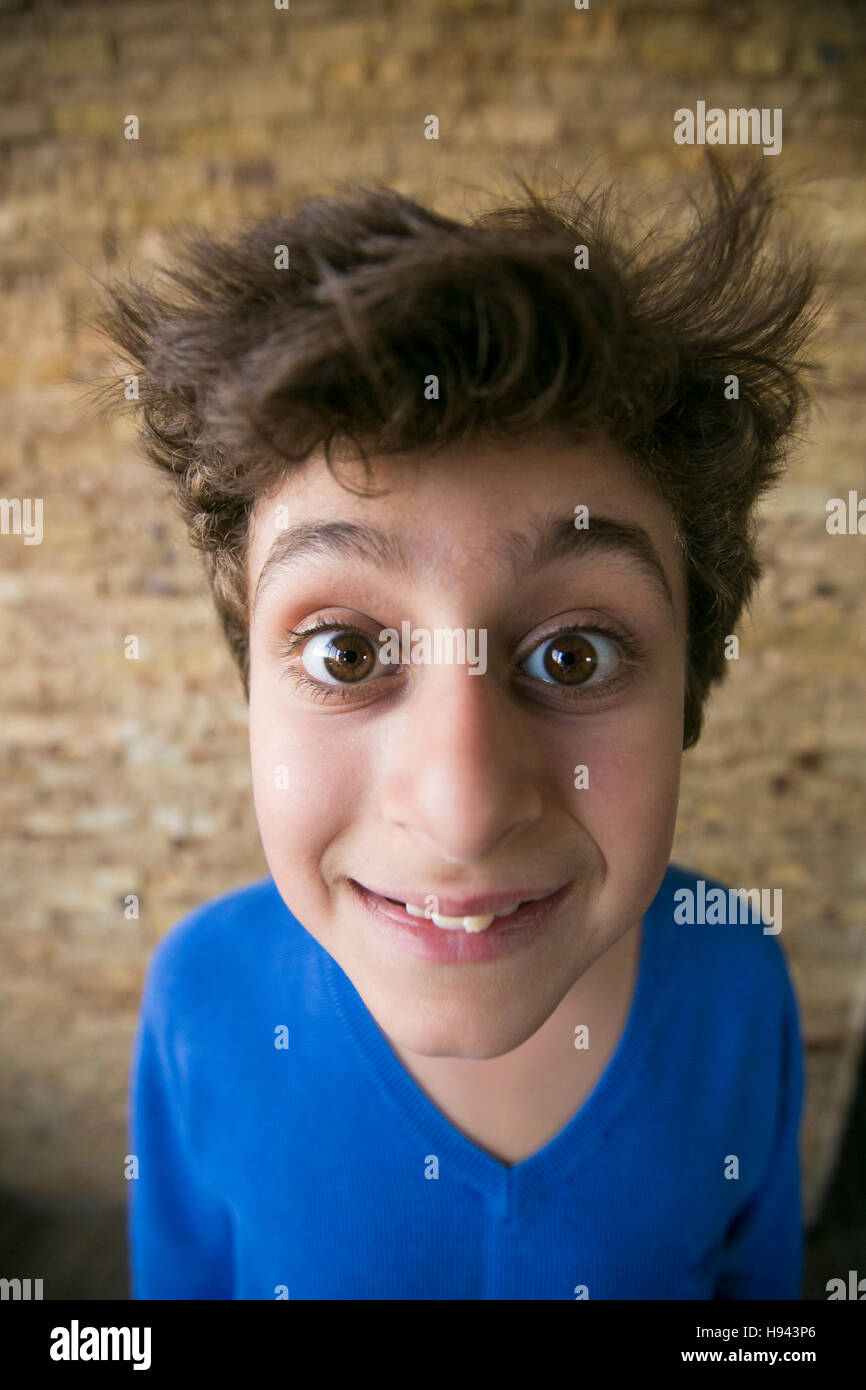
(471, 915)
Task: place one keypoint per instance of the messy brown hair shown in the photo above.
(246, 369)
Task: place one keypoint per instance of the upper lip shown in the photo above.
(473, 905)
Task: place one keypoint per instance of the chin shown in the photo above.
(478, 1036)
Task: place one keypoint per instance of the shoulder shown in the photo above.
(219, 949)
(729, 958)
(731, 1021)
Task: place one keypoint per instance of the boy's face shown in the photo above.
(417, 777)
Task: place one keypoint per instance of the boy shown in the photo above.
(476, 504)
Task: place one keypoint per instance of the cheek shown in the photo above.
(630, 806)
(618, 772)
(306, 778)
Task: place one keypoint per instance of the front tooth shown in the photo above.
(473, 924)
(478, 923)
(509, 912)
(449, 923)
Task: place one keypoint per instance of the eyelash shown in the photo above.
(633, 653)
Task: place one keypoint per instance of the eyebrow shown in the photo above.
(554, 538)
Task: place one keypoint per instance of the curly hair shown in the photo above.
(246, 369)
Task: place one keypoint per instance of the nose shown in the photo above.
(460, 776)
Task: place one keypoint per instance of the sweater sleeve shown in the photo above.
(764, 1248)
(179, 1232)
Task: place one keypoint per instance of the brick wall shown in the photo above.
(127, 777)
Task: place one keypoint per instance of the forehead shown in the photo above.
(508, 509)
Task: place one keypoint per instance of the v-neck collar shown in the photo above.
(508, 1187)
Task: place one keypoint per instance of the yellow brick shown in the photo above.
(91, 120)
(77, 55)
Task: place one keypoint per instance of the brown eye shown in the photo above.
(342, 658)
(570, 659)
(573, 659)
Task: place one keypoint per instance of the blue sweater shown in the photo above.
(320, 1170)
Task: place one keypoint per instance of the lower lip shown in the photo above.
(422, 939)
